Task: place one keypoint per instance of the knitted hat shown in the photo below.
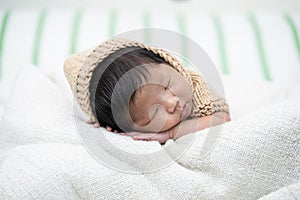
(78, 69)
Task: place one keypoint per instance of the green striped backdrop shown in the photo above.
(250, 45)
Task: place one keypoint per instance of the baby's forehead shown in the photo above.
(159, 71)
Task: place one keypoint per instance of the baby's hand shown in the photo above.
(161, 137)
(183, 128)
(97, 125)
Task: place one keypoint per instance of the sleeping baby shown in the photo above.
(142, 91)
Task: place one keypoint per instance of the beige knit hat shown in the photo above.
(78, 69)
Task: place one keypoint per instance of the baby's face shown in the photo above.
(161, 103)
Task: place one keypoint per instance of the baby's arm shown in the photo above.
(196, 124)
(183, 128)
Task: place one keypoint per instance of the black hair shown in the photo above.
(109, 73)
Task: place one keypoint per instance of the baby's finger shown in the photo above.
(96, 125)
(145, 136)
(160, 137)
(132, 133)
(108, 128)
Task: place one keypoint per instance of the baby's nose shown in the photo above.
(171, 103)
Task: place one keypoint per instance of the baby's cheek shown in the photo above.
(169, 122)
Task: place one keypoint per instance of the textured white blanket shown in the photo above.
(42, 156)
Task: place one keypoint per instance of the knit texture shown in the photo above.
(79, 67)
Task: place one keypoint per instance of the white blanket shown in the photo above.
(42, 156)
